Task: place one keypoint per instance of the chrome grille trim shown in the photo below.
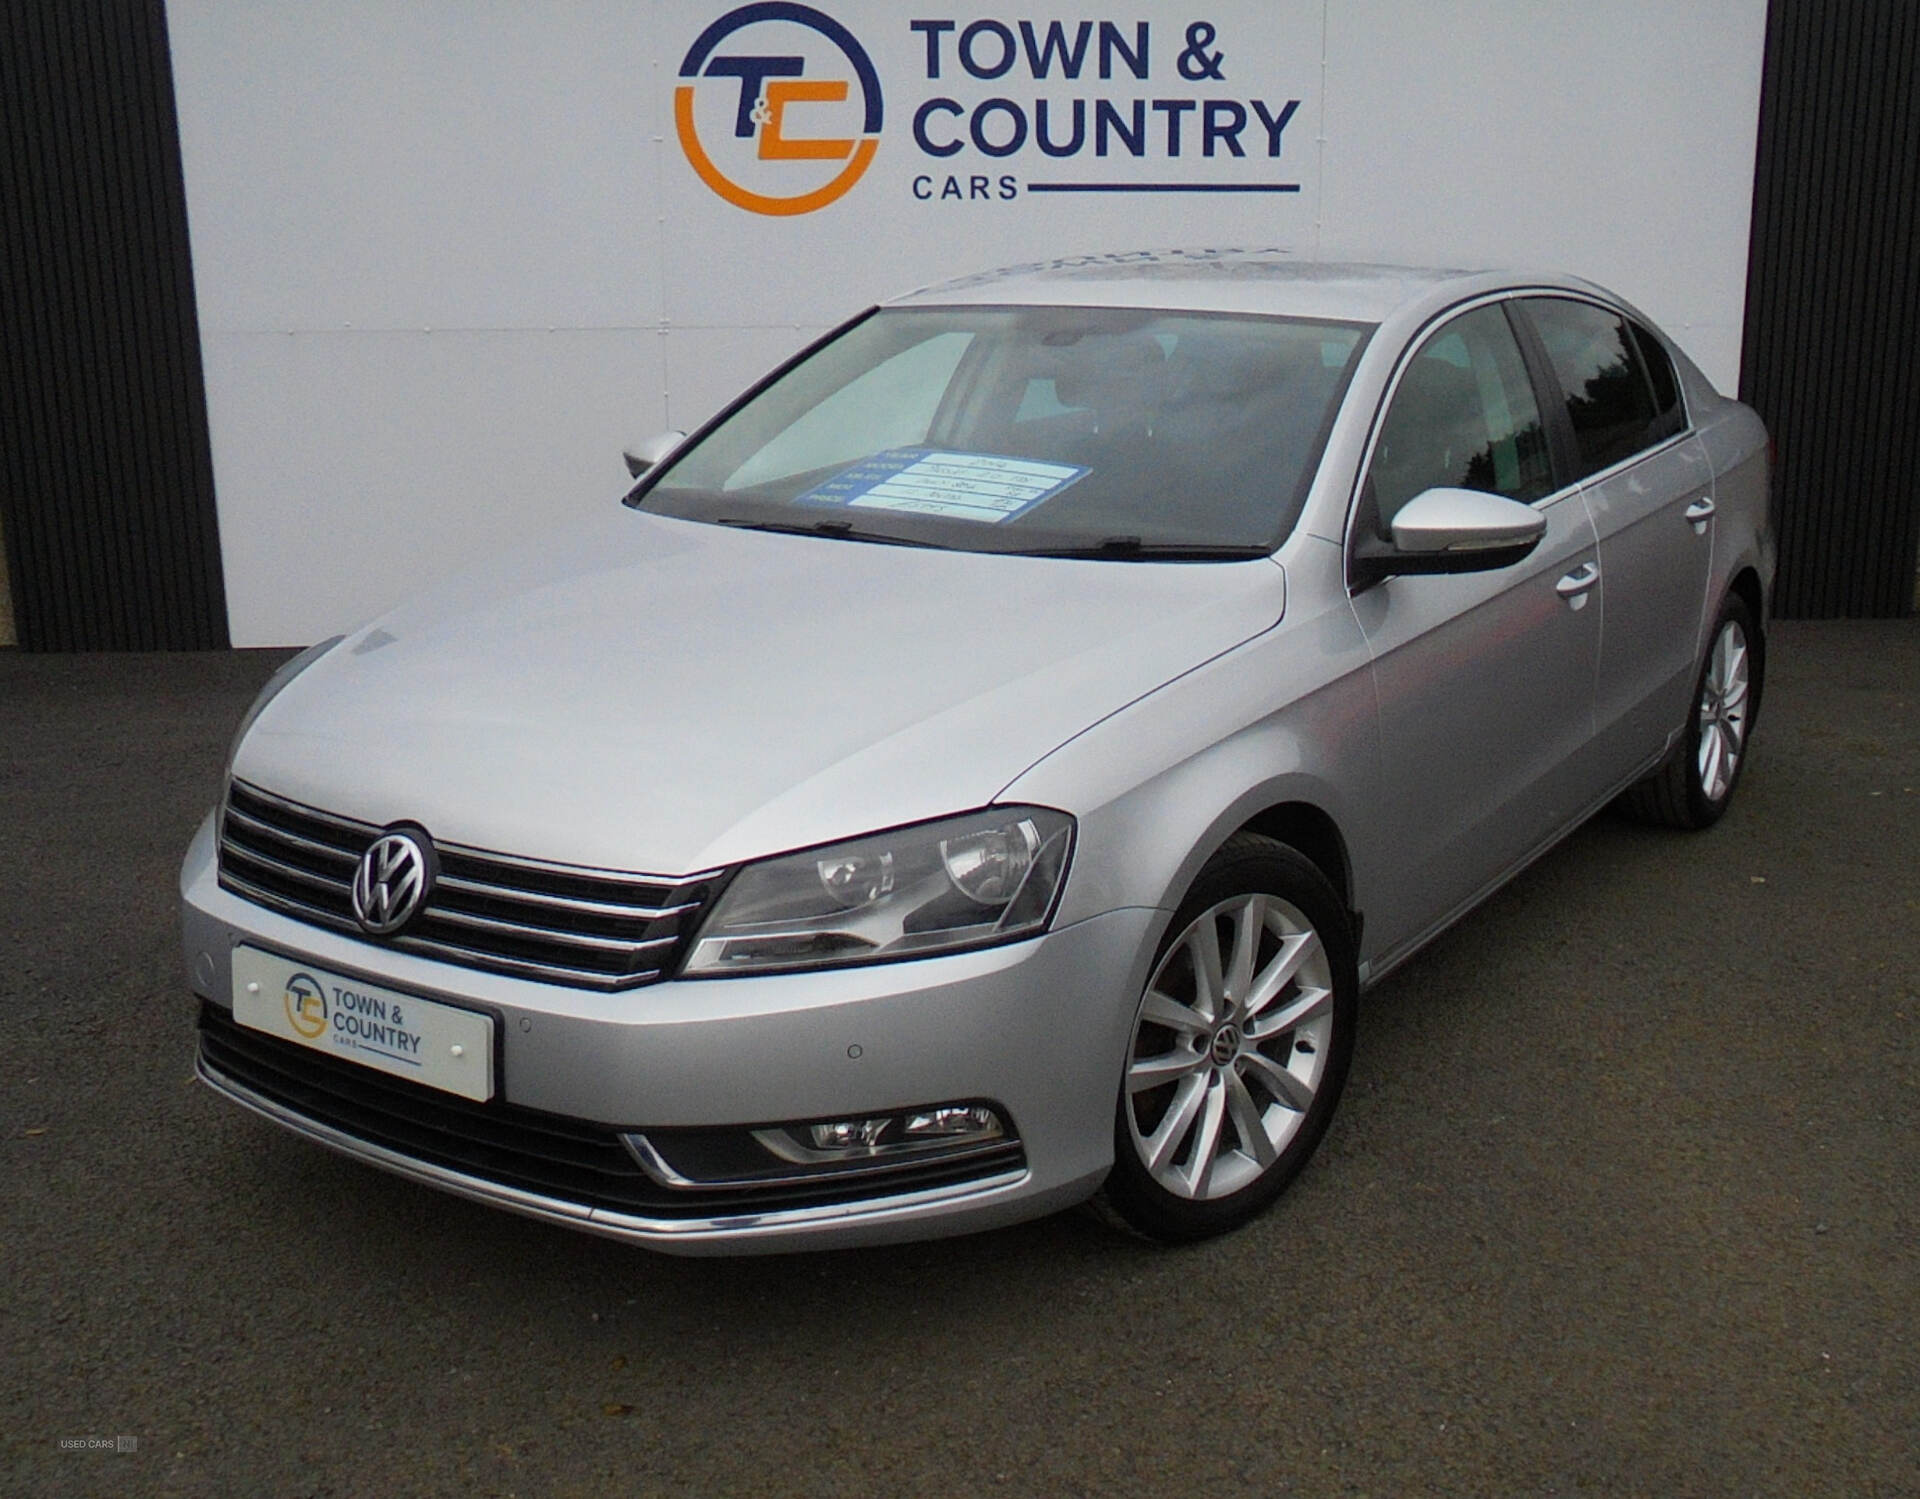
(230, 849)
(312, 845)
(562, 902)
(313, 814)
(547, 866)
(296, 909)
(561, 923)
(550, 934)
(469, 957)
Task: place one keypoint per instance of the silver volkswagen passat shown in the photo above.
(983, 766)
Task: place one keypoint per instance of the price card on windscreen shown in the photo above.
(984, 487)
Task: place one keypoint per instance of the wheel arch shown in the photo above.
(1310, 831)
(1746, 586)
(1746, 583)
(1299, 772)
(1288, 814)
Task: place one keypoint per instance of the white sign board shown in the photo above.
(451, 258)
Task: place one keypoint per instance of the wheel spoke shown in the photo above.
(1249, 921)
(1295, 950)
(1164, 1009)
(1208, 982)
(1287, 1088)
(1206, 1138)
(1246, 1118)
(1164, 1143)
(1157, 1071)
(1715, 777)
(1729, 657)
(1308, 1004)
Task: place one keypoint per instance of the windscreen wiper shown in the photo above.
(1133, 549)
(839, 530)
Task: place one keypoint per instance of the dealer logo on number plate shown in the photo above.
(423, 1040)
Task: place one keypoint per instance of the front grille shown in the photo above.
(569, 1160)
(593, 928)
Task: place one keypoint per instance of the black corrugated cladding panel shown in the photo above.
(106, 480)
(1831, 354)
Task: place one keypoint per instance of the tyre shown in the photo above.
(1693, 786)
(1240, 1045)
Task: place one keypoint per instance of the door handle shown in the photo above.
(1575, 585)
(1699, 513)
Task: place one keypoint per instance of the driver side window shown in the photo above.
(1463, 416)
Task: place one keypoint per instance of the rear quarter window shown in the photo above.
(1670, 416)
(1603, 378)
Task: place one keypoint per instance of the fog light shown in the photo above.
(913, 1134)
(954, 1122)
(848, 1134)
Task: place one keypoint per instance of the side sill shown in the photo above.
(1373, 972)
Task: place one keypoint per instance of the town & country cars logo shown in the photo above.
(778, 108)
(306, 1005)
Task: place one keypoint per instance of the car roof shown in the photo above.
(1271, 281)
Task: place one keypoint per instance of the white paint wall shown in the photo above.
(450, 255)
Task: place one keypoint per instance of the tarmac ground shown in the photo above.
(1623, 1199)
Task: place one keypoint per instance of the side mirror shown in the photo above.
(1452, 531)
(644, 455)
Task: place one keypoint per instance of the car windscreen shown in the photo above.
(1095, 431)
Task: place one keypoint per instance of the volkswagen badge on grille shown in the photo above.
(390, 883)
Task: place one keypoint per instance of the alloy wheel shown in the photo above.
(1230, 1047)
(1723, 712)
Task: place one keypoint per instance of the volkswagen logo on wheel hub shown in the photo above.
(390, 883)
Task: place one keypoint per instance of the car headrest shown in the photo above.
(1109, 372)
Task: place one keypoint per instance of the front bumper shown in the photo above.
(1038, 1028)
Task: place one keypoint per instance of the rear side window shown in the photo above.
(1601, 373)
(1669, 415)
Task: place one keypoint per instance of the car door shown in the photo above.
(1484, 680)
(1649, 488)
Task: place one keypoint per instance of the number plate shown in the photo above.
(439, 1045)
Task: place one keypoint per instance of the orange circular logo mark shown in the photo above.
(306, 1005)
(768, 84)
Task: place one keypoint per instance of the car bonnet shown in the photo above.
(666, 696)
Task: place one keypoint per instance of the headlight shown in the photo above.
(970, 881)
